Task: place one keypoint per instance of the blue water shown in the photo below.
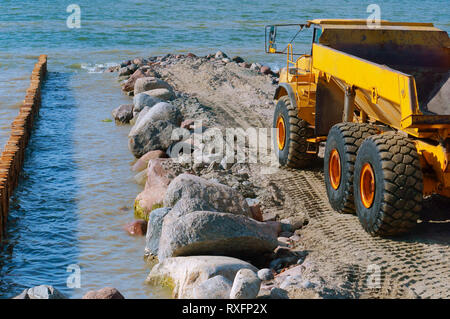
(76, 190)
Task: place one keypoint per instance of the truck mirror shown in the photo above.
(272, 38)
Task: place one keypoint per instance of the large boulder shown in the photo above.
(144, 99)
(154, 227)
(213, 233)
(142, 163)
(217, 287)
(153, 131)
(162, 94)
(183, 274)
(150, 83)
(41, 292)
(160, 173)
(142, 72)
(104, 293)
(246, 285)
(123, 113)
(188, 193)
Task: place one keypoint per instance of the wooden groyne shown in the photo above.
(13, 155)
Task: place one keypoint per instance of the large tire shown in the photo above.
(343, 142)
(391, 161)
(293, 151)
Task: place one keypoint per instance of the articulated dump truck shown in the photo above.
(379, 97)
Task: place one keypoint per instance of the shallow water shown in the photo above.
(76, 190)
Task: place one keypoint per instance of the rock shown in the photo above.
(125, 63)
(256, 212)
(255, 67)
(226, 60)
(123, 113)
(191, 55)
(182, 274)
(128, 85)
(104, 293)
(293, 223)
(187, 124)
(139, 61)
(294, 280)
(237, 59)
(188, 193)
(22, 295)
(159, 176)
(286, 234)
(265, 70)
(127, 70)
(136, 228)
(213, 233)
(141, 177)
(153, 131)
(154, 227)
(278, 293)
(150, 83)
(217, 287)
(245, 65)
(142, 163)
(270, 216)
(220, 55)
(142, 100)
(246, 285)
(265, 274)
(162, 94)
(283, 241)
(44, 292)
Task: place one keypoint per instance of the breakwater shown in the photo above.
(12, 157)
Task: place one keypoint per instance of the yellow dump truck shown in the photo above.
(379, 96)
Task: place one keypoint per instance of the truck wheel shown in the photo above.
(388, 185)
(340, 154)
(291, 134)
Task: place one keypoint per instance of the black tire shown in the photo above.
(346, 139)
(398, 185)
(297, 131)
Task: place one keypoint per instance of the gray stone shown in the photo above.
(220, 55)
(153, 130)
(182, 274)
(213, 233)
(217, 287)
(141, 177)
(295, 280)
(162, 94)
(246, 285)
(278, 293)
(188, 193)
(265, 274)
(142, 100)
(150, 83)
(123, 113)
(44, 292)
(154, 227)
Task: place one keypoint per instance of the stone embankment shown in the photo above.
(206, 235)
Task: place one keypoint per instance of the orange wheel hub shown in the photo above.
(281, 133)
(367, 185)
(334, 169)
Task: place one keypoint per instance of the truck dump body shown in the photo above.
(418, 51)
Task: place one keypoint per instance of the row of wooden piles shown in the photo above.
(13, 155)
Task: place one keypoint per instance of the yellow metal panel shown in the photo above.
(358, 72)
